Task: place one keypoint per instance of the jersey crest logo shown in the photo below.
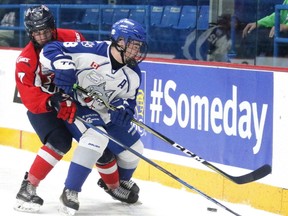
(23, 59)
(99, 90)
(94, 77)
(87, 44)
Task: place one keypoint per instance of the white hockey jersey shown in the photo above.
(95, 72)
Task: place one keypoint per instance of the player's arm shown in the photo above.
(33, 96)
(57, 56)
(53, 57)
(37, 99)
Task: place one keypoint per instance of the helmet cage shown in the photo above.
(141, 55)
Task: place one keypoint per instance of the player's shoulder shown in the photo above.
(28, 58)
(28, 53)
(97, 47)
(68, 35)
(65, 31)
(102, 44)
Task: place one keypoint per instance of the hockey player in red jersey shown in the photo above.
(48, 108)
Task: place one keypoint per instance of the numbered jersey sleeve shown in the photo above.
(54, 54)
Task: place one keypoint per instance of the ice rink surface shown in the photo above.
(155, 199)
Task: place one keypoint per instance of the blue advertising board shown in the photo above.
(223, 115)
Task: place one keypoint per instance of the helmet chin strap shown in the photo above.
(129, 61)
(121, 51)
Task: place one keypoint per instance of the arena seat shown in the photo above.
(203, 19)
(90, 19)
(188, 18)
(138, 14)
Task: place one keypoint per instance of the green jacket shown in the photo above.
(269, 21)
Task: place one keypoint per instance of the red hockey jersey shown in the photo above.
(33, 81)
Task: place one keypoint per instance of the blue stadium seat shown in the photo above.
(106, 18)
(203, 19)
(110, 15)
(163, 33)
(138, 14)
(120, 13)
(70, 16)
(90, 19)
(187, 23)
(188, 18)
(156, 13)
(170, 17)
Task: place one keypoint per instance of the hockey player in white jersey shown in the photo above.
(111, 70)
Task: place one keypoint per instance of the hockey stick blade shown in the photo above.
(243, 179)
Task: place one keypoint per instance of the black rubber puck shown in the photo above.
(211, 209)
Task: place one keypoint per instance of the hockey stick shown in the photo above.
(247, 178)
(156, 166)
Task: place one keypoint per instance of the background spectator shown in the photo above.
(213, 44)
(7, 36)
(266, 33)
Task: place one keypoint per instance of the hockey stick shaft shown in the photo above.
(156, 166)
(247, 178)
(250, 177)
